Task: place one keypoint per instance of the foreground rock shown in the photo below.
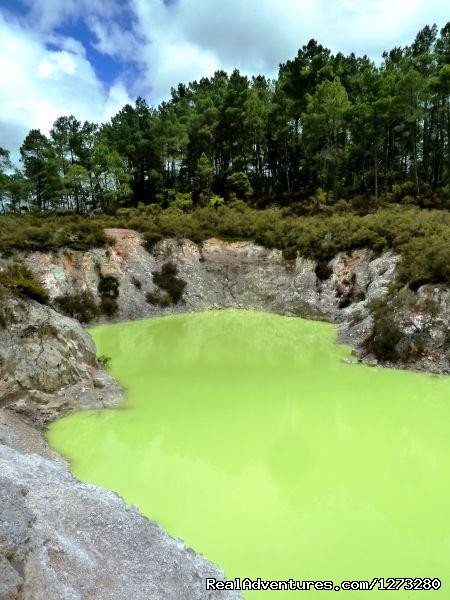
(61, 540)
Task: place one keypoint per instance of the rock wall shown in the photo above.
(244, 275)
(218, 274)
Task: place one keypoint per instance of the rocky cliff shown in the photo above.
(222, 274)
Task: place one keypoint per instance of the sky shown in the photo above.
(91, 57)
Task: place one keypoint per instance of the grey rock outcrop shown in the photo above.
(218, 274)
(48, 364)
(60, 539)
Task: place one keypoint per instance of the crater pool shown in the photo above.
(248, 436)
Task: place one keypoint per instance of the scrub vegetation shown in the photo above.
(16, 277)
(84, 307)
(108, 290)
(418, 234)
(79, 306)
(388, 341)
(173, 287)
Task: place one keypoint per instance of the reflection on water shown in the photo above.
(248, 436)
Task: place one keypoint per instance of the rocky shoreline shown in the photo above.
(63, 539)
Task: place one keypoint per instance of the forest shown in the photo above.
(330, 129)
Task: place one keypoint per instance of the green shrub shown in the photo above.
(153, 298)
(78, 306)
(414, 345)
(109, 306)
(182, 202)
(289, 253)
(49, 232)
(216, 201)
(104, 360)
(323, 270)
(32, 289)
(108, 286)
(167, 280)
(425, 260)
(165, 300)
(404, 192)
(158, 299)
(385, 334)
(388, 342)
(151, 238)
(318, 200)
(18, 278)
(239, 184)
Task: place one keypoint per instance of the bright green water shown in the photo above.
(245, 434)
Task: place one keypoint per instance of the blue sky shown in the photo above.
(90, 57)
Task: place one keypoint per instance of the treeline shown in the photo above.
(330, 128)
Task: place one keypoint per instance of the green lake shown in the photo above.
(247, 435)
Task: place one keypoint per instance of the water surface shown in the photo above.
(247, 435)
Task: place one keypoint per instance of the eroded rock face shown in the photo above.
(48, 364)
(61, 540)
(244, 275)
(218, 274)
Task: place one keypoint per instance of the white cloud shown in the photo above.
(57, 63)
(37, 85)
(166, 55)
(111, 39)
(177, 41)
(187, 39)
